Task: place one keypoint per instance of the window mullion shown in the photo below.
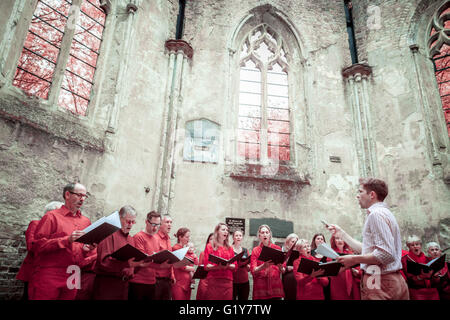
(264, 124)
(69, 32)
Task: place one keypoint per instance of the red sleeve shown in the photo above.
(254, 262)
(105, 262)
(29, 234)
(302, 278)
(46, 238)
(207, 251)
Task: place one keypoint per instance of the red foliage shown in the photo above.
(35, 70)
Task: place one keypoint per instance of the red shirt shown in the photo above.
(183, 277)
(267, 283)
(342, 285)
(309, 288)
(148, 244)
(26, 269)
(222, 252)
(51, 246)
(164, 244)
(241, 274)
(106, 265)
(410, 278)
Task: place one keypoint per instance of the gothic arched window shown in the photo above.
(264, 119)
(46, 41)
(439, 50)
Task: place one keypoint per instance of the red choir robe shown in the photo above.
(164, 244)
(202, 283)
(220, 282)
(241, 274)
(267, 283)
(87, 265)
(148, 244)
(443, 285)
(181, 290)
(53, 254)
(419, 289)
(309, 288)
(26, 269)
(112, 275)
(344, 286)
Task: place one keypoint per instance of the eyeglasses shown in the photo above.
(130, 221)
(154, 224)
(80, 195)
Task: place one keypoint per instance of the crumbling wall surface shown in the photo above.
(42, 148)
(411, 139)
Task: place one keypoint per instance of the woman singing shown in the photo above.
(241, 286)
(266, 276)
(181, 290)
(220, 277)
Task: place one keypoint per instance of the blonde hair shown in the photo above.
(216, 243)
(301, 243)
(288, 238)
(268, 228)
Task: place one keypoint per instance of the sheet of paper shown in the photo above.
(325, 250)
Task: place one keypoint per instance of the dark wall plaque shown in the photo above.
(280, 228)
(235, 223)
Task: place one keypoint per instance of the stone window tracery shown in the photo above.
(264, 118)
(439, 52)
(45, 41)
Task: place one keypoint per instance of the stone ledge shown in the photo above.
(282, 174)
(58, 124)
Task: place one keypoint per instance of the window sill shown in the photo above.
(30, 112)
(281, 173)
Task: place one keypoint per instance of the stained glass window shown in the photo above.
(264, 118)
(37, 63)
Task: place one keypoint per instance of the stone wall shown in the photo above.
(119, 151)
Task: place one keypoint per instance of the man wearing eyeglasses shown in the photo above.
(112, 275)
(142, 286)
(55, 247)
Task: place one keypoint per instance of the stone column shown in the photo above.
(436, 146)
(120, 92)
(180, 53)
(356, 77)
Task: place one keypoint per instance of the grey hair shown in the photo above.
(53, 206)
(412, 238)
(433, 244)
(301, 242)
(127, 209)
(164, 216)
(290, 236)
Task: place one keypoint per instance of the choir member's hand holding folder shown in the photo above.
(176, 257)
(200, 273)
(272, 254)
(101, 229)
(325, 250)
(309, 266)
(434, 265)
(221, 261)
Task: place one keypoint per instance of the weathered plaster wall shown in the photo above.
(42, 149)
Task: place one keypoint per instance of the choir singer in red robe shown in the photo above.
(55, 247)
(112, 275)
(309, 287)
(181, 290)
(421, 287)
(220, 277)
(267, 283)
